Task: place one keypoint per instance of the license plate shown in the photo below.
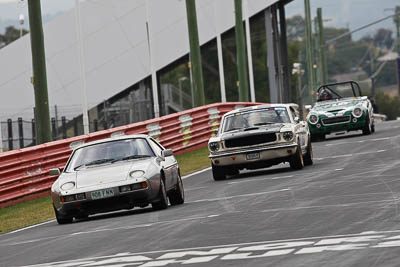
(252, 156)
(102, 194)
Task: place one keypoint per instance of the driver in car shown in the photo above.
(325, 95)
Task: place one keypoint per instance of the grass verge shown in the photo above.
(41, 210)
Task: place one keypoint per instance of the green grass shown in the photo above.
(41, 210)
(26, 214)
(193, 161)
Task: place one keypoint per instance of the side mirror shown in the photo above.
(297, 119)
(167, 153)
(308, 107)
(55, 172)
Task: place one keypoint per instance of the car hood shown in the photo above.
(109, 173)
(273, 128)
(336, 106)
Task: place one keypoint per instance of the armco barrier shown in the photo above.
(24, 173)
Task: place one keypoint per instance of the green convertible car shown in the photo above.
(340, 107)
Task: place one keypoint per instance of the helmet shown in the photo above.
(325, 95)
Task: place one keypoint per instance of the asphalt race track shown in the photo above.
(342, 211)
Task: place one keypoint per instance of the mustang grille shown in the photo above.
(336, 120)
(250, 140)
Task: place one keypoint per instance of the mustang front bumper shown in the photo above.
(252, 155)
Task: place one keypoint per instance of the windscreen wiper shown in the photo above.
(264, 123)
(131, 157)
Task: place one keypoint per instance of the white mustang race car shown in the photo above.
(259, 137)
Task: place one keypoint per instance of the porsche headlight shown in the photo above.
(68, 186)
(288, 136)
(136, 174)
(313, 119)
(357, 112)
(214, 146)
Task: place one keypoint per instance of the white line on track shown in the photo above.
(238, 196)
(195, 173)
(29, 227)
(221, 246)
(111, 229)
(351, 155)
(361, 141)
(380, 202)
(261, 179)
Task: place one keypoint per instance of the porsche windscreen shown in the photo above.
(109, 152)
(255, 118)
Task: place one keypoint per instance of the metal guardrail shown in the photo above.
(380, 117)
(24, 173)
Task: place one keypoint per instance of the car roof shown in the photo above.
(261, 107)
(111, 139)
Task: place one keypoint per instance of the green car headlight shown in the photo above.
(313, 119)
(357, 112)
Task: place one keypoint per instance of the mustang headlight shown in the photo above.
(288, 136)
(136, 174)
(214, 146)
(68, 186)
(357, 112)
(313, 119)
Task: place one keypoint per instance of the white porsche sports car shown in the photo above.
(116, 173)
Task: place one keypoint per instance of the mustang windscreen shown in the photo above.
(109, 152)
(255, 118)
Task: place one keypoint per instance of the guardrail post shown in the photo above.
(20, 133)
(10, 135)
(64, 127)
(33, 132)
(53, 128)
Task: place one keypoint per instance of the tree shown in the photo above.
(383, 38)
(11, 35)
(295, 28)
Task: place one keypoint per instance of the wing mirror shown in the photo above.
(55, 172)
(297, 119)
(308, 107)
(167, 153)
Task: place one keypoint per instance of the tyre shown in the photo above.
(62, 219)
(218, 172)
(367, 128)
(162, 203)
(297, 161)
(308, 158)
(177, 196)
